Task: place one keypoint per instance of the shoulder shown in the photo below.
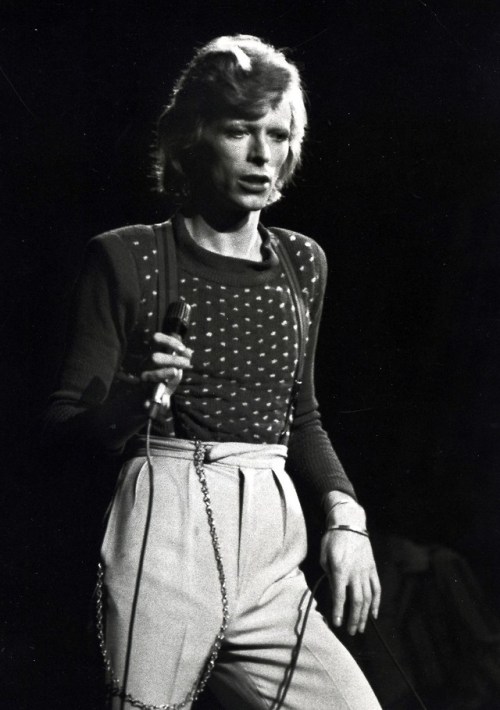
(133, 240)
(133, 246)
(298, 244)
(307, 255)
(125, 259)
(308, 258)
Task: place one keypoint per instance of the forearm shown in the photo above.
(312, 457)
(106, 426)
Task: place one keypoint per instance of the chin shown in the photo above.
(252, 203)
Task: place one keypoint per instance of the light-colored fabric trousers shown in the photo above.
(262, 539)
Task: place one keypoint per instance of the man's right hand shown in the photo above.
(169, 358)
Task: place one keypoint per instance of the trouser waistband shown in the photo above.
(230, 452)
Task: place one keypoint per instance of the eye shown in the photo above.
(280, 136)
(235, 131)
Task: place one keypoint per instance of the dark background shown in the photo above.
(399, 185)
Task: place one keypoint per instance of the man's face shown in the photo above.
(243, 160)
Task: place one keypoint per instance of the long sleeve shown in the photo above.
(311, 455)
(104, 311)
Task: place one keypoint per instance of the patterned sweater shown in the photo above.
(243, 332)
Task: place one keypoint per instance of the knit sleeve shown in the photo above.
(103, 313)
(311, 455)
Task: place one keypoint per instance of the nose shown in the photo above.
(259, 150)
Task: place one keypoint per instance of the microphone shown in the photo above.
(176, 323)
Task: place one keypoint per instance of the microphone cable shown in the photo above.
(177, 320)
(133, 611)
(117, 688)
(296, 650)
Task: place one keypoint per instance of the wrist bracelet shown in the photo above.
(365, 532)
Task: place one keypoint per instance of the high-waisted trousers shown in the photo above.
(164, 581)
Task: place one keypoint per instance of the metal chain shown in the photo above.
(200, 683)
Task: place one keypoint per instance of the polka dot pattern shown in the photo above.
(245, 343)
(240, 380)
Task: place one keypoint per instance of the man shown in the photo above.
(200, 578)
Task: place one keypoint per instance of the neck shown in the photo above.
(238, 238)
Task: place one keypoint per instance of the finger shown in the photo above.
(170, 342)
(365, 609)
(355, 607)
(169, 360)
(169, 375)
(173, 375)
(376, 594)
(338, 598)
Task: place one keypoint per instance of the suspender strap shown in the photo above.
(300, 311)
(167, 269)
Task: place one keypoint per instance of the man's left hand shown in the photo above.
(347, 558)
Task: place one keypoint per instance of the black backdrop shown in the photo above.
(399, 185)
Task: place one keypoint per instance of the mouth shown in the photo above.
(254, 183)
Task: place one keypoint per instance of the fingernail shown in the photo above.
(337, 621)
